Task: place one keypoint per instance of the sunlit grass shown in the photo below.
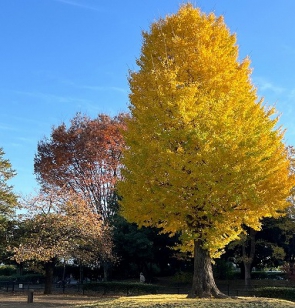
(180, 301)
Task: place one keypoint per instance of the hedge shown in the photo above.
(7, 270)
(32, 278)
(276, 292)
(121, 287)
(267, 275)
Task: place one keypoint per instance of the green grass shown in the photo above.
(180, 301)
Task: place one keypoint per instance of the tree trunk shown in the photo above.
(81, 273)
(106, 270)
(203, 280)
(247, 266)
(20, 269)
(48, 277)
(248, 250)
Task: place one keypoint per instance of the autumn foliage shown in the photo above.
(204, 155)
(59, 226)
(77, 167)
(84, 159)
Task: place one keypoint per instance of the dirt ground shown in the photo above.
(9, 300)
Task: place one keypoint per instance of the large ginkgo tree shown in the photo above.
(204, 156)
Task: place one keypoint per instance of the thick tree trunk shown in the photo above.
(203, 280)
(48, 277)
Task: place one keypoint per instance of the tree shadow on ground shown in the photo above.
(48, 301)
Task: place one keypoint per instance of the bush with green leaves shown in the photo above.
(276, 292)
(29, 278)
(182, 277)
(268, 275)
(7, 270)
(223, 270)
(121, 287)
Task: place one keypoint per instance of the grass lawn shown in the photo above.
(180, 301)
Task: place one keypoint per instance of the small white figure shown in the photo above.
(141, 278)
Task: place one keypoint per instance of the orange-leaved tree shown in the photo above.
(203, 154)
(60, 226)
(84, 158)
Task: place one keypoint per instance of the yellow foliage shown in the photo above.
(204, 155)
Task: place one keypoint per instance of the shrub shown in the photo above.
(32, 278)
(276, 292)
(182, 277)
(259, 275)
(7, 278)
(121, 287)
(223, 270)
(288, 269)
(7, 270)
(268, 275)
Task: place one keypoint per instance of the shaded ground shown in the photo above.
(9, 300)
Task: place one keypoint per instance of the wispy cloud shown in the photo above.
(27, 140)
(79, 5)
(21, 142)
(265, 85)
(7, 128)
(95, 88)
(291, 95)
(54, 98)
(86, 106)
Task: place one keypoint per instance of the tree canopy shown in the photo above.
(8, 199)
(83, 158)
(8, 202)
(61, 226)
(204, 155)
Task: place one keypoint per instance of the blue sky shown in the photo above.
(59, 57)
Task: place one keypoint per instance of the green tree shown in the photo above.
(142, 250)
(203, 154)
(8, 201)
(270, 246)
(266, 248)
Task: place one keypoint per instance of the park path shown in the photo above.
(8, 300)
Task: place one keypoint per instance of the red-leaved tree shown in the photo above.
(84, 158)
